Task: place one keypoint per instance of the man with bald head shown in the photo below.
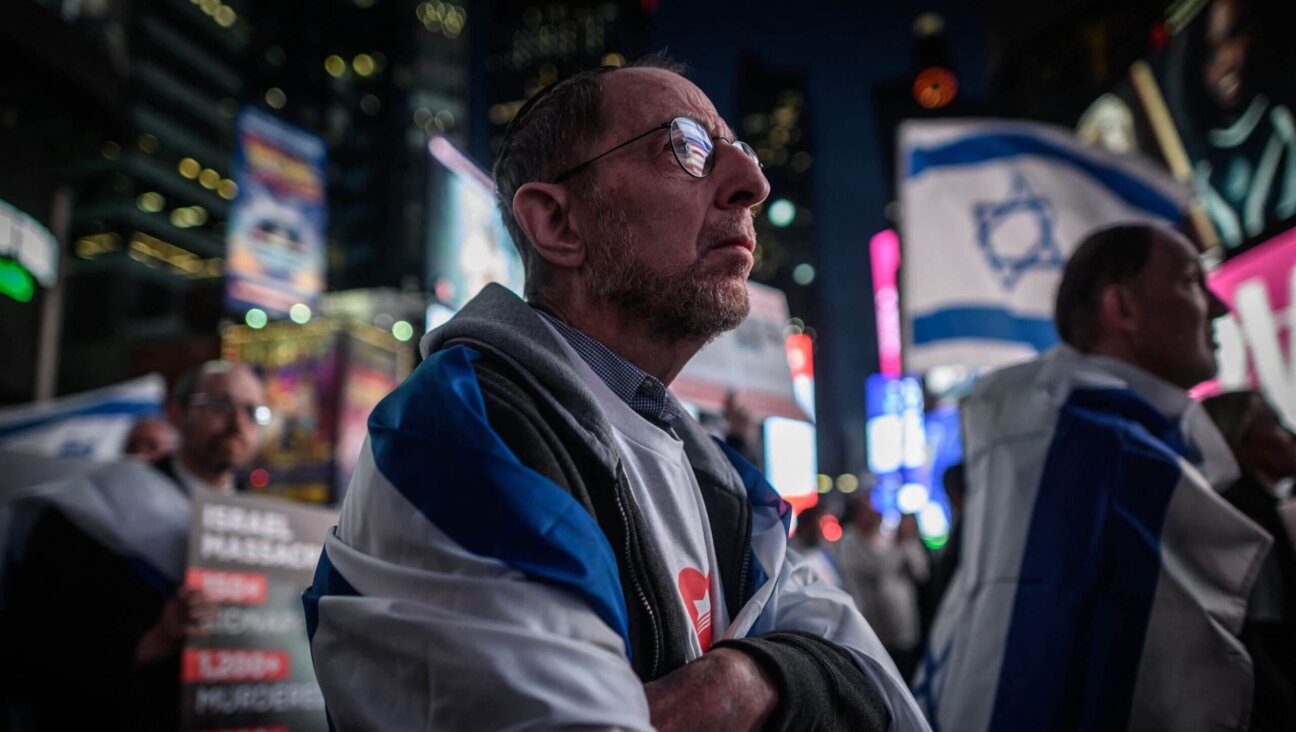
(538, 535)
(1102, 581)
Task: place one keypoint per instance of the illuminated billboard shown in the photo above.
(321, 382)
(791, 460)
(468, 245)
(896, 439)
(276, 255)
(909, 451)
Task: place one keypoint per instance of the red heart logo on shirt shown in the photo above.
(695, 590)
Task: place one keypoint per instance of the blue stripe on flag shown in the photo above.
(761, 495)
(1127, 405)
(985, 323)
(430, 438)
(116, 407)
(328, 582)
(985, 148)
(1090, 568)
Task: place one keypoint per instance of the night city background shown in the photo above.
(225, 225)
(118, 134)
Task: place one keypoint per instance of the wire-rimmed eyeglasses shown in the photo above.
(693, 146)
(224, 407)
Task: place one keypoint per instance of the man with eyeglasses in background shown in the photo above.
(218, 409)
(537, 534)
(94, 607)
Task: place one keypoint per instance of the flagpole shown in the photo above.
(1172, 147)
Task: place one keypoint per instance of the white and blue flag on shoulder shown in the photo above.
(1103, 582)
(991, 211)
(462, 590)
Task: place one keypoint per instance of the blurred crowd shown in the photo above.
(895, 579)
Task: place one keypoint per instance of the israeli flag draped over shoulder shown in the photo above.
(462, 590)
(991, 211)
(1103, 581)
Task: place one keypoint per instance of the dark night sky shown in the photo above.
(847, 47)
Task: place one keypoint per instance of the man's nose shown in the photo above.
(1217, 307)
(742, 184)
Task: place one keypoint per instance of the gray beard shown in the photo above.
(691, 303)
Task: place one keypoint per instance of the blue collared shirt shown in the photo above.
(642, 391)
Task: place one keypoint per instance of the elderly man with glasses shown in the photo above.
(538, 535)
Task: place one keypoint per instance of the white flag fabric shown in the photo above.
(991, 209)
(91, 424)
(131, 508)
(1103, 581)
(461, 590)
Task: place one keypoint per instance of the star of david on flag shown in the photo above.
(991, 209)
(992, 217)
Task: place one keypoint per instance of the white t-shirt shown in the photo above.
(667, 497)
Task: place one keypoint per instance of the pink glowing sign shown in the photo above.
(1269, 265)
(884, 252)
(1255, 338)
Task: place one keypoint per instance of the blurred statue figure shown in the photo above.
(1232, 97)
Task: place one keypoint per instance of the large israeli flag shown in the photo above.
(1103, 581)
(91, 424)
(991, 211)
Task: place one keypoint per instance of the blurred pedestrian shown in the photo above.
(218, 409)
(858, 556)
(908, 586)
(1103, 582)
(739, 429)
(1266, 452)
(882, 573)
(947, 560)
(150, 439)
(809, 541)
(94, 607)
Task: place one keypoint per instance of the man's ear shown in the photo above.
(1118, 310)
(543, 210)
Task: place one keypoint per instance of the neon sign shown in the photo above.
(884, 253)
